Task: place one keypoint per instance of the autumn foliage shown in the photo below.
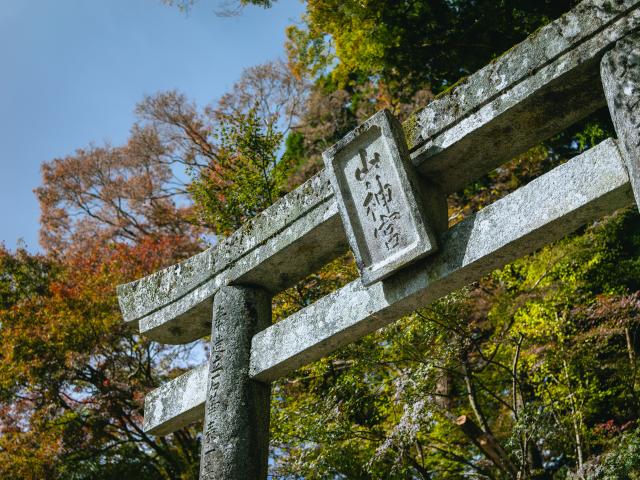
(73, 375)
(529, 373)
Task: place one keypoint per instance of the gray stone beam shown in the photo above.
(274, 250)
(621, 81)
(580, 191)
(177, 403)
(548, 208)
(535, 90)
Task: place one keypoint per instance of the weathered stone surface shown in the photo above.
(144, 296)
(173, 305)
(536, 89)
(580, 191)
(621, 81)
(177, 403)
(380, 201)
(530, 93)
(235, 440)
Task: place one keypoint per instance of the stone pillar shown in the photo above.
(620, 71)
(235, 442)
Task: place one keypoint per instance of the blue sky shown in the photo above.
(72, 71)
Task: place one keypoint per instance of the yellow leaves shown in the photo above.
(306, 53)
(27, 455)
(538, 322)
(348, 37)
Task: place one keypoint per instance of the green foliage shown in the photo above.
(294, 147)
(529, 372)
(623, 461)
(416, 43)
(536, 351)
(23, 277)
(246, 175)
(532, 357)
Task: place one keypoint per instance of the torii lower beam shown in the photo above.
(583, 190)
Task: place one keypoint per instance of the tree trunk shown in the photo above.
(487, 445)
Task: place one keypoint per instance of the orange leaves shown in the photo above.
(28, 455)
(72, 374)
(104, 194)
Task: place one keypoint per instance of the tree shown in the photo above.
(246, 177)
(414, 43)
(73, 375)
(517, 375)
(523, 372)
(271, 92)
(104, 194)
(492, 381)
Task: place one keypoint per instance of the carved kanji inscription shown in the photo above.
(379, 198)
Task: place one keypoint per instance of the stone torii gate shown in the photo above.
(383, 195)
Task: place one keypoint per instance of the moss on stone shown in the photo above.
(411, 127)
(450, 88)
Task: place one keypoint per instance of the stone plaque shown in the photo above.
(380, 201)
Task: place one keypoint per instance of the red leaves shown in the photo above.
(612, 311)
(610, 429)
